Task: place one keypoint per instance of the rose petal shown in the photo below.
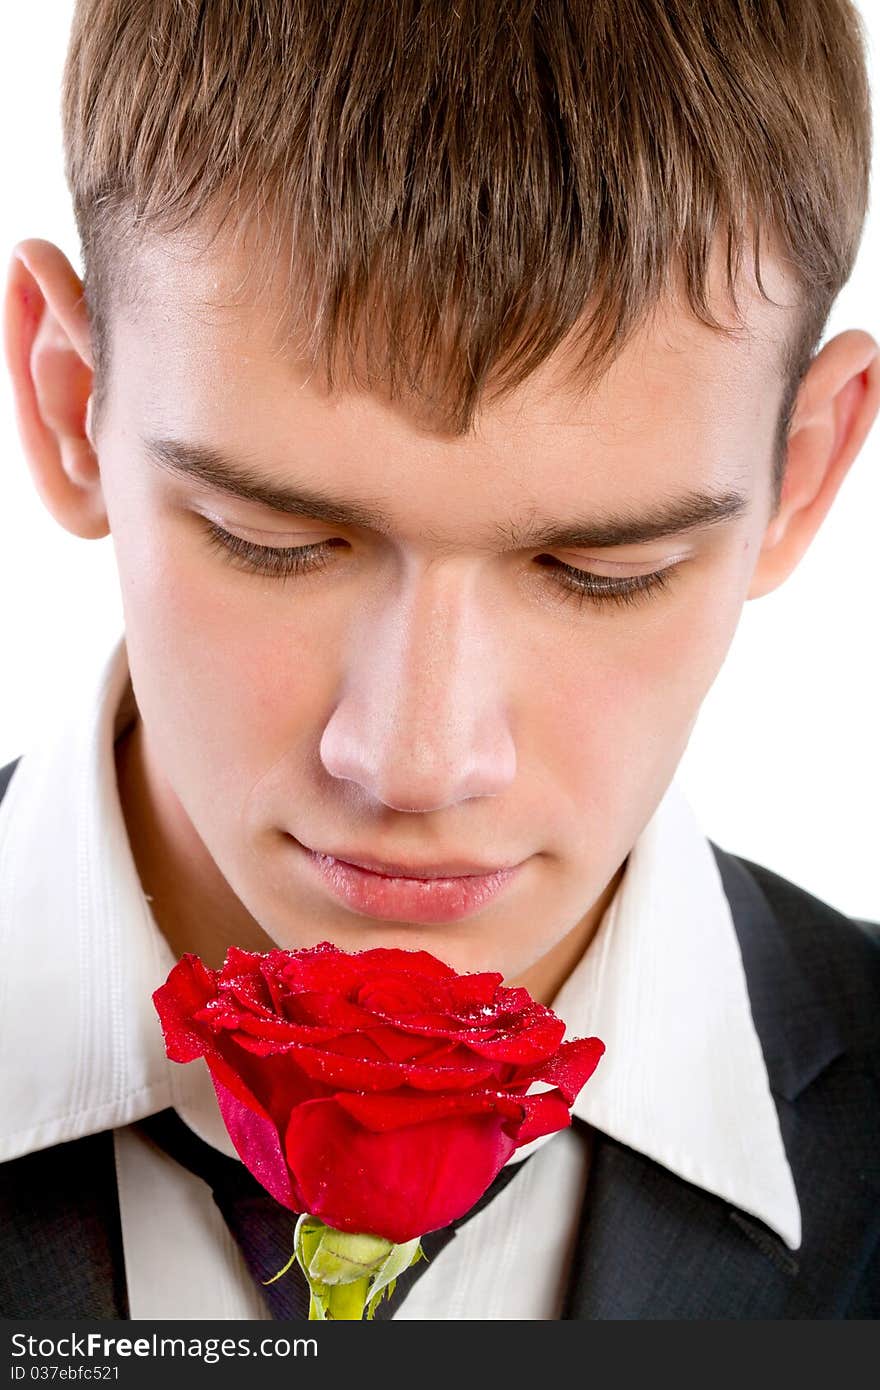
(327, 1010)
(325, 969)
(189, 986)
(259, 1146)
(400, 1046)
(572, 1066)
(275, 1030)
(384, 1112)
(534, 1043)
(545, 1113)
(239, 964)
(399, 1184)
(360, 1074)
(387, 960)
(392, 996)
(479, 990)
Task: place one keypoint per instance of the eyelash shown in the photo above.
(580, 585)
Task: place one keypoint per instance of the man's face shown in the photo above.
(432, 690)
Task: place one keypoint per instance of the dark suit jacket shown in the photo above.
(650, 1244)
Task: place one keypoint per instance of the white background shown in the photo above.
(783, 765)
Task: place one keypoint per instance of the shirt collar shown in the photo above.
(683, 1079)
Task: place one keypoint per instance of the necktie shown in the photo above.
(263, 1228)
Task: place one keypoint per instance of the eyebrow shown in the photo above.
(669, 517)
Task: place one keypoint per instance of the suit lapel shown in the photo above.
(651, 1245)
(61, 1250)
(799, 1032)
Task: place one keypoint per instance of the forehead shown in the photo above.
(203, 351)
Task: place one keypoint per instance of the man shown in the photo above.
(448, 610)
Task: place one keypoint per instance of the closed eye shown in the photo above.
(286, 562)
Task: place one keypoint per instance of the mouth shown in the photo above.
(432, 895)
(447, 868)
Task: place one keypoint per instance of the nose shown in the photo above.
(422, 720)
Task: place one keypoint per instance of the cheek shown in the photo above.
(226, 667)
(674, 664)
(616, 719)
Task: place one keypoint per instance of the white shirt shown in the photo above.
(682, 1080)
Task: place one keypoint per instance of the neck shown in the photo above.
(546, 977)
(192, 903)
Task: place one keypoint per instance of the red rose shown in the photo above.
(378, 1090)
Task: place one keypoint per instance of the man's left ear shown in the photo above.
(836, 405)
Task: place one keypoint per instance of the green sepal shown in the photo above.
(306, 1239)
(342, 1258)
(384, 1282)
(348, 1274)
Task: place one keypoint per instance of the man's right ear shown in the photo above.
(49, 356)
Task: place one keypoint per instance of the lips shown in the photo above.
(429, 896)
(396, 868)
(449, 868)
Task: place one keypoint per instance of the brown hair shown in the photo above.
(485, 177)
